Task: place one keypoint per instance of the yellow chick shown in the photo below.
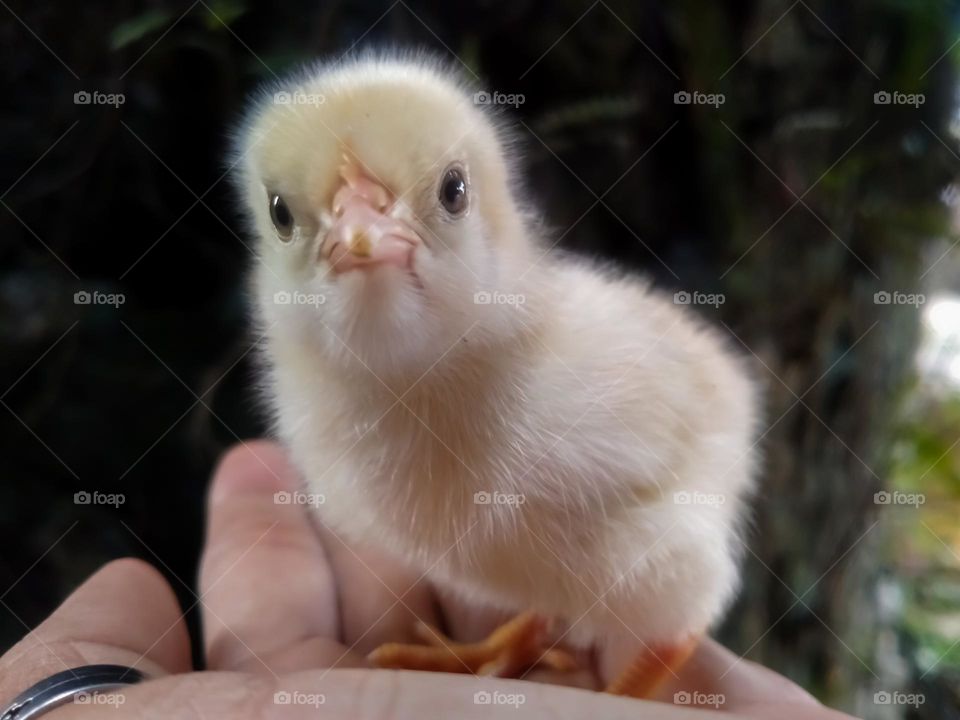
(535, 433)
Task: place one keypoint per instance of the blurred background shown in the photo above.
(789, 166)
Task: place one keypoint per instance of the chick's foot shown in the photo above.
(509, 651)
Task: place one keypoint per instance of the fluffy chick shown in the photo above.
(530, 430)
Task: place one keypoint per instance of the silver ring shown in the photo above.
(66, 686)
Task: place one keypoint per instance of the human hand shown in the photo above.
(289, 612)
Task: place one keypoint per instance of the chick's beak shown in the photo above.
(368, 230)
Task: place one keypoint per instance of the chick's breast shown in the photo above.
(596, 473)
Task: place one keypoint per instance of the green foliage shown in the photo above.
(223, 13)
(138, 28)
(927, 548)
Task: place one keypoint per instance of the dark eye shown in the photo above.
(282, 217)
(453, 191)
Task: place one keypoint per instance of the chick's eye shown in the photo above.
(453, 191)
(282, 217)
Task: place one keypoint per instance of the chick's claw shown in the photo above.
(509, 651)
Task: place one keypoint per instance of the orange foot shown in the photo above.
(508, 651)
(651, 668)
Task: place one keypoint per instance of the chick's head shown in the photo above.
(381, 199)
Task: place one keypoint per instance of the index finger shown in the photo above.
(125, 614)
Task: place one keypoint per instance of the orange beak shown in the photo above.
(366, 232)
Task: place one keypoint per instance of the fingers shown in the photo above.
(380, 598)
(267, 591)
(721, 680)
(715, 668)
(368, 695)
(125, 614)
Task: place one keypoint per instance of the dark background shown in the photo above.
(799, 198)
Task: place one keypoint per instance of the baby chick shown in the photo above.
(536, 434)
